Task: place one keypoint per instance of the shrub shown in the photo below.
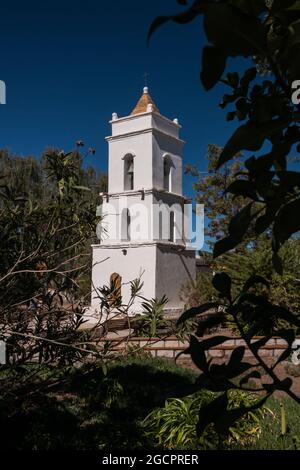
(174, 425)
(152, 318)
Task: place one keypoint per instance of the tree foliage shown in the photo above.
(268, 30)
(267, 133)
(211, 190)
(47, 222)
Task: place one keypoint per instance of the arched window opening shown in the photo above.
(167, 173)
(125, 227)
(115, 290)
(128, 173)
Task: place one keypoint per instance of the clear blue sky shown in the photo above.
(69, 64)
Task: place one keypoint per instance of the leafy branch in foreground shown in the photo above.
(265, 109)
(268, 121)
(253, 315)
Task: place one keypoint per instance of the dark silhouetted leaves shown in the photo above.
(224, 245)
(222, 283)
(197, 354)
(239, 224)
(264, 221)
(253, 280)
(208, 414)
(254, 374)
(287, 222)
(210, 322)
(192, 312)
(227, 419)
(236, 33)
(186, 16)
(213, 65)
(260, 343)
(242, 188)
(250, 136)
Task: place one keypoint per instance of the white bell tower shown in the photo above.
(143, 217)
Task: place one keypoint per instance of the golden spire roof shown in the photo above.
(142, 104)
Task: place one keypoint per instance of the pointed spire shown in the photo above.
(143, 103)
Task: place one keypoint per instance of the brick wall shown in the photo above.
(171, 346)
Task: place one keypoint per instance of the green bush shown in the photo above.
(174, 425)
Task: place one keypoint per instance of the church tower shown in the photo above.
(142, 231)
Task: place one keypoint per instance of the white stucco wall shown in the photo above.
(163, 146)
(149, 137)
(138, 260)
(173, 269)
(163, 270)
(140, 146)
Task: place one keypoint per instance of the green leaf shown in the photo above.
(237, 33)
(254, 374)
(283, 356)
(213, 65)
(236, 357)
(227, 419)
(239, 224)
(210, 322)
(253, 299)
(250, 136)
(192, 312)
(224, 245)
(265, 220)
(233, 79)
(208, 414)
(197, 354)
(259, 343)
(253, 280)
(222, 283)
(287, 223)
(286, 384)
(186, 16)
(242, 188)
(288, 335)
(157, 23)
(248, 77)
(284, 314)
